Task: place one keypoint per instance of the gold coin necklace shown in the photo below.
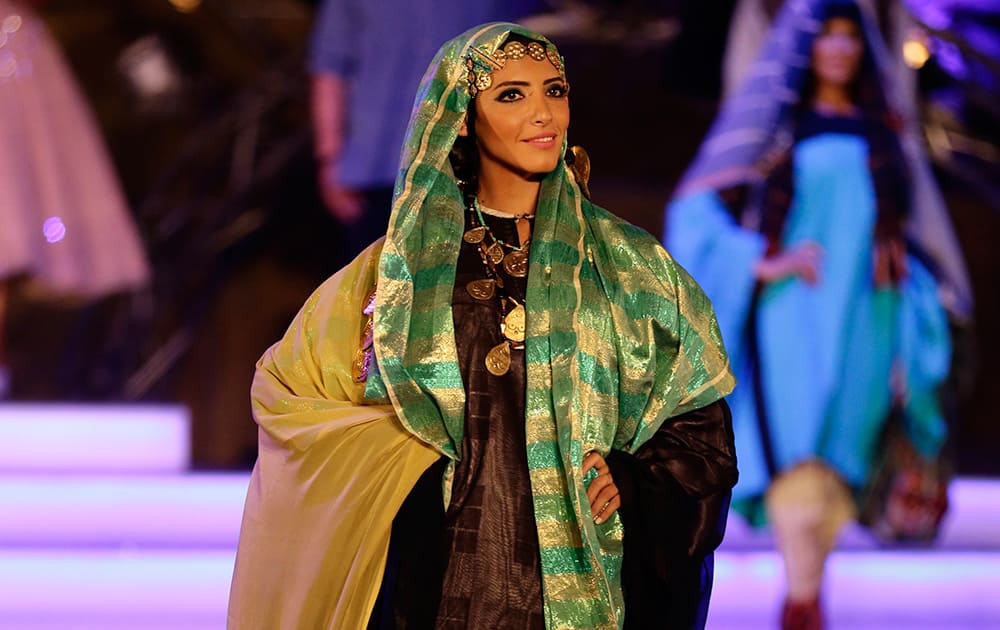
(515, 258)
(515, 263)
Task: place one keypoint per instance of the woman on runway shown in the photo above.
(508, 413)
(66, 228)
(810, 218)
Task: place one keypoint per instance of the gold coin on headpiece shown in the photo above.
(536, 51)
(554, 59)
(495, 252)
(516, 263)
(475, 235)
(515, 50)
(481, 289)
(498, 359)
(513, 328)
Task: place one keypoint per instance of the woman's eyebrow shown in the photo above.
(525, 83)
(511, 83)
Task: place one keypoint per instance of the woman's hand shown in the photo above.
(602, 491)
(889, 265)
(802, 260)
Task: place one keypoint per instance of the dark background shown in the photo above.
(219, 172)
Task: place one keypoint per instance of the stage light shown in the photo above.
(915, 51)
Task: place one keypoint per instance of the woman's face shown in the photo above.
(521, 120)
(836, 53)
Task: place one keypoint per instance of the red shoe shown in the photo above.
(802, 615)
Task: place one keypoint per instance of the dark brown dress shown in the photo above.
(487, 571)
(493, 577)
(477, 564)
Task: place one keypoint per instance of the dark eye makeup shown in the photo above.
(556, 90)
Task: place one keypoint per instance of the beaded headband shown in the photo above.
(482, 64)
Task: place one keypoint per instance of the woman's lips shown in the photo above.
(542, 141)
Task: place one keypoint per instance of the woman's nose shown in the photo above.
(845, 43)
(543, 113)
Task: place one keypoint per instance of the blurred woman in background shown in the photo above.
(66, 228)
(810, 218)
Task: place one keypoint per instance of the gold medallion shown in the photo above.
(475, 235)
(495, 252)
(498, 359)
(513, 328)
(481, 289)
(516, 263)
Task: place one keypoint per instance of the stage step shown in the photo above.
(103, 526)
(205, 509)
(112, 438)
(172, 589)
(114, 589)
(866, 589)
(195, 510)
(970, 524)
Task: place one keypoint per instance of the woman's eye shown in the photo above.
(509, 95)
(558, 91)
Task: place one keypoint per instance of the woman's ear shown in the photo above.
(463, 131)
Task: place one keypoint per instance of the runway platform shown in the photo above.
(104, 526)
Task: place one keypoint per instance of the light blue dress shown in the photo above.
(826, 351)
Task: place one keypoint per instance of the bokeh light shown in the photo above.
(915, 53)
(186, 6)
(54, 229)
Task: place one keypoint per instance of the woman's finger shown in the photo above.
(597, 485)
(606, 509)
(606, 494)
(594, 460)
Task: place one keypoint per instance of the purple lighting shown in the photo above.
(54, 229)
(103, 526)
(94, 438)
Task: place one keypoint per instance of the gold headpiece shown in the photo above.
(482, 64)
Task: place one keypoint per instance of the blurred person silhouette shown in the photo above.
(751, 21)
(366, 60)
(65, 227)
(506, 413)
(810, 218)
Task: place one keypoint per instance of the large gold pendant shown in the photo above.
(475, 235)
(498, 359)
(513, 324)
(481, 289)
(495, 252)
(516, 263)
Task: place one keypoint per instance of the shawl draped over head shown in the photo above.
(619, 338)
(756, 123)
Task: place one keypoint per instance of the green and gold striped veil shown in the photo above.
(619, 338)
